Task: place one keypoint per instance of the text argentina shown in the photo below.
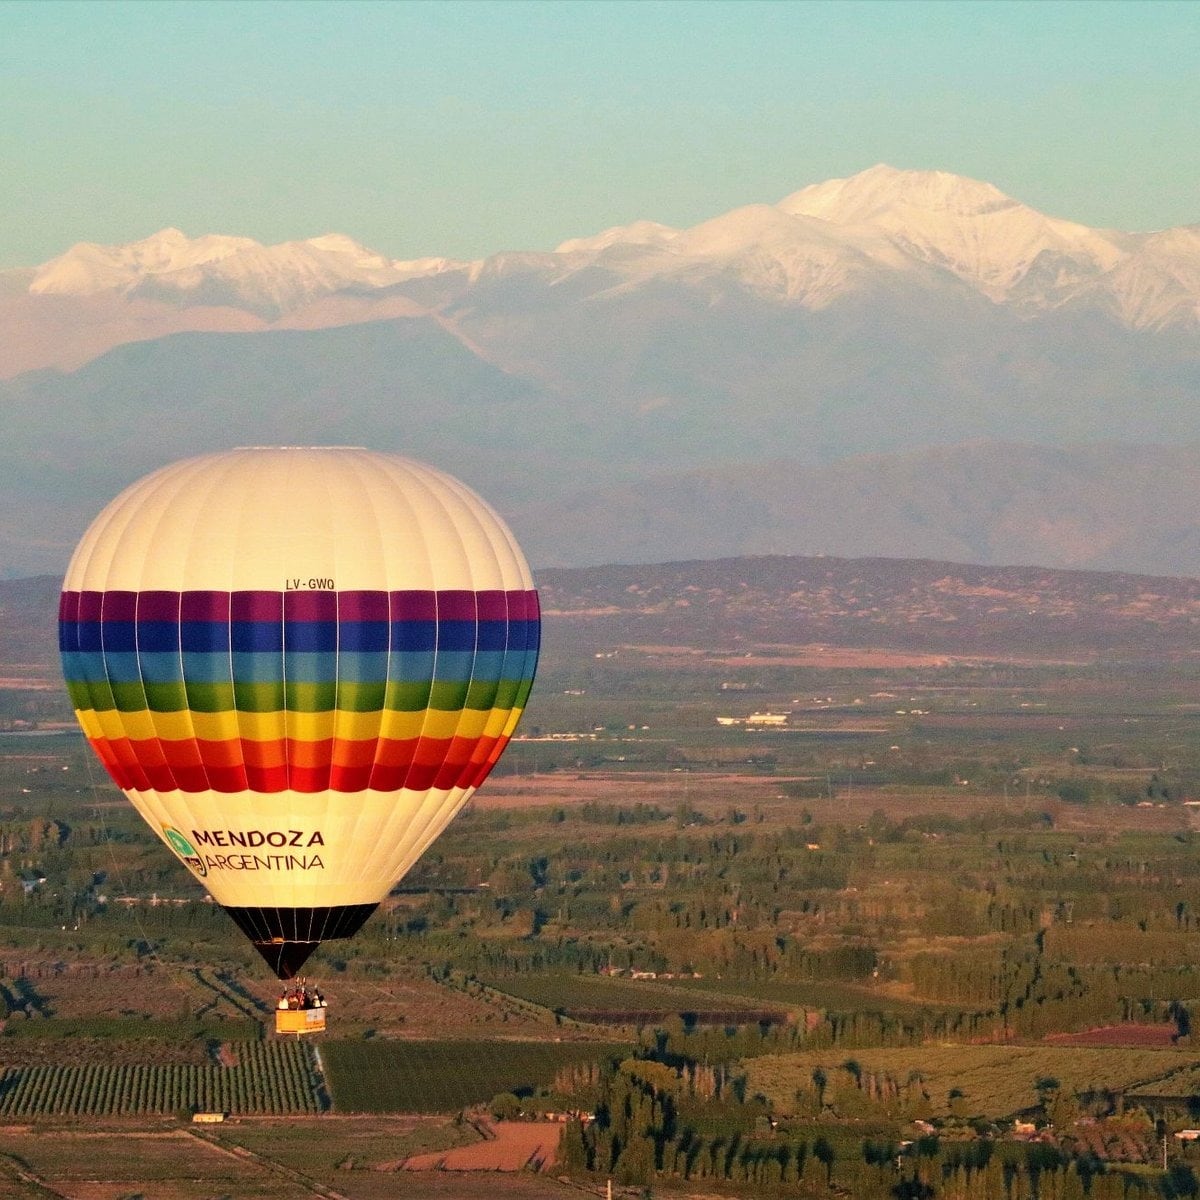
(263, 862)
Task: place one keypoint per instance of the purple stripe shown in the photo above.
(310, 606)
(157, 606)
(413, 606)
(256, 606)
(452, 604)
(520, 605)
(90, 605)
(456, 606)
(119, 606)
(362, 606)
(493, 606)
(204, 606)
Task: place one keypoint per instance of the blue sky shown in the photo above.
(462, 129)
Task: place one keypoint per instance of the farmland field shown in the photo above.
(252, 1158)
(270, 1077)
(827, 995)
(441, 1076)
(995, 1081)
(376, 1143)
(602, 997)
(108, 1165)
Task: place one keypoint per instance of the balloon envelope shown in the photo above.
(298, 664)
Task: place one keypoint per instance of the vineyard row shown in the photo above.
(271, 1077)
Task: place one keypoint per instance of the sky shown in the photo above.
(463, 129)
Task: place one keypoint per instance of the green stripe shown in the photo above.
(309, 697)
(506, 693)
(448, 697)
(361, 697)
(167, 697)
(407, 697)
(257, 697)
(129, 697)
(479, 696)
(210, 697)
(482, 694)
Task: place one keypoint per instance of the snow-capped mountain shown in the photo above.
(883, 230)
(968, 228)
(876, 337)
(234, 271)
(887, 228)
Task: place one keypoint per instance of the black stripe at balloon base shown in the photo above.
(285, 937)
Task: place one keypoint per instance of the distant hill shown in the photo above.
(29, 628)
(778, 601)
(731, 604)
(1097, 507)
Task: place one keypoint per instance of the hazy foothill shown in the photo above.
(900, 363)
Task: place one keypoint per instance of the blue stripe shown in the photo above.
(309, 666)
(205, 668)
(314, 636)
(362, 635)
(204, 635)
(161, 666)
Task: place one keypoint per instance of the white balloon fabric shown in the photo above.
(298, 663)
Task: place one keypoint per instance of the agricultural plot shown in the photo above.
(833, 997)
(353, 1144)
(107, 1165)
(632, 1001)
(1182, 1083)
(269, 1077)
(441, 1076)
(994, 1081)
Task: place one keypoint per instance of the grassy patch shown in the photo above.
(601, 994)
(995, 1081)
(128, 1028)
(441, 1076)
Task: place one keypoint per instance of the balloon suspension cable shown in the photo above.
(116, 870)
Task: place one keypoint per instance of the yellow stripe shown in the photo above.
(215, 727)
(498, 720)
(472, 723)
(307, 727)
(259, 726)
(513, 717)
(357, 726)
(400, 726)
(175, 726)
(110, 723)
(311, 726)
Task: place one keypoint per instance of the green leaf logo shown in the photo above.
(179, 843)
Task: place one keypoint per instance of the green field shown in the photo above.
(995, 1081)
(271, 1077)
(134, 1028)
(436, 1076)
(602, 994)
(834, 997)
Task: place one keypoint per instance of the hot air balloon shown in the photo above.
(298, 663)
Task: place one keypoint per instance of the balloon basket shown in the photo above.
(300, 1021)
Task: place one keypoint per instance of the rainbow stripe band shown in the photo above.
(305, 690)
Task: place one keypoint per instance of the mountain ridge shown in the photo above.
(907, 363)
(882, 228)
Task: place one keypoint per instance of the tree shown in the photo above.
(572, 1152)
(504, 1106)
